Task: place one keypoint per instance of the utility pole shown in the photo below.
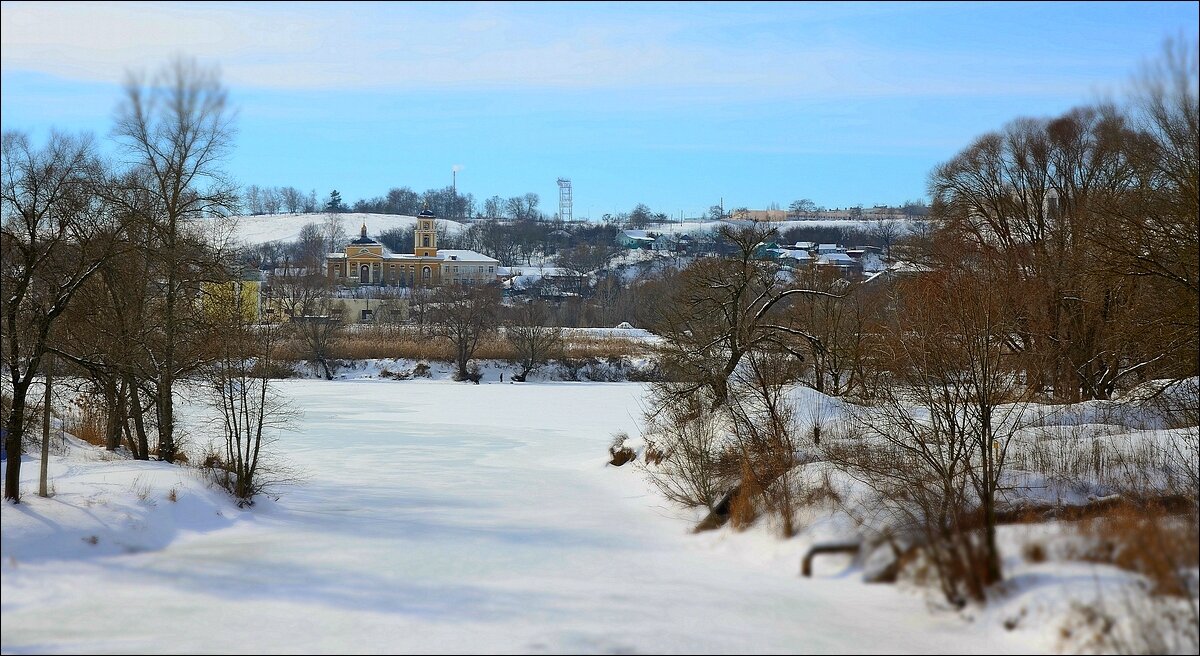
(454, 191)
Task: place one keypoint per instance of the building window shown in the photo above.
(426, 273)
(491, 269)
(425, 241)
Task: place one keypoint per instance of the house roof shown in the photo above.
(457, 255)
(898, 269)
(837, 259)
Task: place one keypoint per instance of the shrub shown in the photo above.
(695, 468)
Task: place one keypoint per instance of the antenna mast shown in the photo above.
(565, 203)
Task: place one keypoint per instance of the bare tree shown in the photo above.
(421, 301)
(334, 234)
(309, 248)
(177, 128)
(298, 290)
(886, 232)
(252, 199)
(493, 207)
(112, 332)
(935, 444)
(914, 209)
(802, 208)
(463, 315)
(319, 333)
(584, 259)
(272, 200)
(725, 308)
(1150, 233)
(293, 199)
(240, 388)
(55, 235)
(534, 341)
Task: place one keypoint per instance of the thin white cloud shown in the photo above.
(661, 47)
(98, 42)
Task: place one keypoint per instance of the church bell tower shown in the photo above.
(425, 235)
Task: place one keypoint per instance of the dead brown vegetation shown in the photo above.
(401, 342)
(1148, 540)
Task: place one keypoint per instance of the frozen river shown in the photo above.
(439, 517)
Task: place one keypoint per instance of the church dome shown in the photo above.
(363, 239)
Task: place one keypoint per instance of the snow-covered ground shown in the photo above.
(701, 227)
(265, 228)
(434, 517)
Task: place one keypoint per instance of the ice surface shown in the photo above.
(436, 517)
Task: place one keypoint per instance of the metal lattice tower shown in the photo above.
(565, 204)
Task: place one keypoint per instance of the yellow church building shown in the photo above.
(365, 261)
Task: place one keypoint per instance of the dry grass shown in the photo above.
(742, 508)
(1034, 552)
(393, 342)
(87, 420)
(1148, 541)
(652, 455)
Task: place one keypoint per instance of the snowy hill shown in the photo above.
(264, 228)
(705, 227)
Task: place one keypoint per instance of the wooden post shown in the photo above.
(43, 490)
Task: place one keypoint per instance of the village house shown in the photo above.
(635, 239)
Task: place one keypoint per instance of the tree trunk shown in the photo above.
(462, 360)
(166, 382)
(141, 449)
(114, 398)
(12, 443)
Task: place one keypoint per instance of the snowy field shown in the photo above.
(434, 517)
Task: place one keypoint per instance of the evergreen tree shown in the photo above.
(335, 202)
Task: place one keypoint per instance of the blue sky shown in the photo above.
(676, 105)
